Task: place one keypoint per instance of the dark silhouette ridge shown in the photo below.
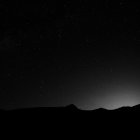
(70, 115)
(69, 109)
(70, 112)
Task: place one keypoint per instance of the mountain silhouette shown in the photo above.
(69, 113)
(68, 110)
(69, 118)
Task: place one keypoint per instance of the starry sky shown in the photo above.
(55, 53)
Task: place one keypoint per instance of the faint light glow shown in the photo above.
(120, 101)
(120, 98)
(112, 97)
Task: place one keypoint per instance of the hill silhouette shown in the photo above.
(70, 116)
(70, 109)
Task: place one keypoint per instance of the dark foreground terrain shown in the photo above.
(57, 117)
(70, 111)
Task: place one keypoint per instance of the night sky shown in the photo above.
(55, 53)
